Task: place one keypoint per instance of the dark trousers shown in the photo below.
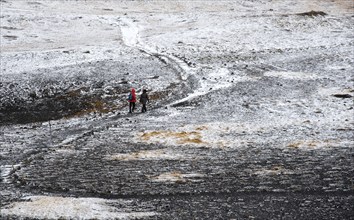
(131, 107)
(143, 109)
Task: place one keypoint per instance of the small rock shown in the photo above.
(313, 13)
(318, 111)
(343, 96)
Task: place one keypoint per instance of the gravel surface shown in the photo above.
(250, 113)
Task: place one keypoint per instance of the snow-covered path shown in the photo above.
(131, 37)
(216, 79)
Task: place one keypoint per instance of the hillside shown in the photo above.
(250, 113)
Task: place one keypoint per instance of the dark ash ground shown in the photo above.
(250, 133)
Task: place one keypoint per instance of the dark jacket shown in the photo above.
(144, 98)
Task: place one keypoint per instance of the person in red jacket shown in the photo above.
(132, 100)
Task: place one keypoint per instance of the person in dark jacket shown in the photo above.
(132, 100)
(144, 98)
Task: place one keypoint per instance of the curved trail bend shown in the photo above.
(131, 37)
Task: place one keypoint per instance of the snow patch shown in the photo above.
(215, 80)
(177, 177)
(334, 90)
(130, 33)
(344, 67)
(161, 154)
(69, 140)
(276, 170)
(291, 75)
(66, 149)
(46, 207)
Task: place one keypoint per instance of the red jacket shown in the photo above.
(133, 96)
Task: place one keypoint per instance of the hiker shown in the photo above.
(144, 98)
(132, 100)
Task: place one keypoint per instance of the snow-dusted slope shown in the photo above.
(251, 110)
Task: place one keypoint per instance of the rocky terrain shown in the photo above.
(251, 112)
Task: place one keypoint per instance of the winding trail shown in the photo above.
(205, 83)
(131, 37)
